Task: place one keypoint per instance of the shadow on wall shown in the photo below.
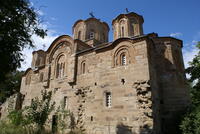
(123, 129)
(146, 130)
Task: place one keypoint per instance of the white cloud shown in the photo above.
(40, 13)
(194, 41)
(40, 43)
(53, 18)
(177, 34)
(188, 55)
(190, 49)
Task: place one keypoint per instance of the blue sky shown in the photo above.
(177, 18)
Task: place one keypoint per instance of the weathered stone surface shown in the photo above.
(133, 85)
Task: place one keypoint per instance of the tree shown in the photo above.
(18, 22)
(40, 109)
(31, 119)
(191, 121)
(10, 85)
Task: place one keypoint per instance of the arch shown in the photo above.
(79, 35)
(122, 27)
(60, 65)
(83, 67)
(132, 25)
(64, 39)
(121, 56)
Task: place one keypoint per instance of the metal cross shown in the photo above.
(127, 10)
(91, 14)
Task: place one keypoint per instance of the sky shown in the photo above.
(175, 18)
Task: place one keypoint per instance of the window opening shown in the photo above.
(91, 35)
(91, 118)
(41, 77)
(83, 68)
(123, 81)
(108, 99)
(79, 35)
(123, 59)
(122, 32)
(65, 101)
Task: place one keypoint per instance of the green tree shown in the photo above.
(40, 109)
(191, 121)
(10, 85)
(18, 22)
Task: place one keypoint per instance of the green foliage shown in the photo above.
(18, 22)
(30, 120)
(10, 85)
(16, 118)
(39, 110)
(76, 131)
(191, 121)
(194, 72)
(9, 128)
(63, 119)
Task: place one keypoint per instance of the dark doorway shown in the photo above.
(54, 124)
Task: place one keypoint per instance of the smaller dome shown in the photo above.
(91, 29)
(127, 25)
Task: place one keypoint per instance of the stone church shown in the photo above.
(134, 84)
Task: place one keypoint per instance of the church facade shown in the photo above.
(133, 85)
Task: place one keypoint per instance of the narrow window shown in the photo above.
(108, 99)
(83, 67)
(28, 79)
(79, 35)
(122, 32)
(123, 59)
(91, 118)
(65, 102)
(57, 70)
(104, 37)
(63, 69)
(41, 77)
(91, 35)
(54, 123)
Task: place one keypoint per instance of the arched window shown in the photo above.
(28, 79)
(83, 67)
(122, 28)
(123, 59)
(60, 67)
(91, 34)
(79, 35)
(132, 26)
